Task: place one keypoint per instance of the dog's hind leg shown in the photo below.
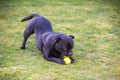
(26, 36)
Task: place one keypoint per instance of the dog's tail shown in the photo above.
(29, 17)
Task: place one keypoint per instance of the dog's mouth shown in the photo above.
(68, 55)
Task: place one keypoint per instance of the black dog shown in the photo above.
(53, 45)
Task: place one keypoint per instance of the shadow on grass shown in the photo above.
(115, 17)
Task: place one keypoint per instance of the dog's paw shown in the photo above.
(61, 62)
(22, 48)
(72, 60)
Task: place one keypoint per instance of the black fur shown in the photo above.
(53, 45)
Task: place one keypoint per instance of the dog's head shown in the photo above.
(64, 45)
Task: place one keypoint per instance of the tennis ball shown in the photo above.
(67, 60)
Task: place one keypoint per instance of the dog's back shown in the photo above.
(38, 23)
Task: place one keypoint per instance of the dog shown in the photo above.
(53, 45)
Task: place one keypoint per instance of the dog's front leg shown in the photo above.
(57, 60)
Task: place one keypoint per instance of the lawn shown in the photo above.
(94, 23)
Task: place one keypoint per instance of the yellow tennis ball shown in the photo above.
(67, 60)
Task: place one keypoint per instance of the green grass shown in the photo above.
(94, 23)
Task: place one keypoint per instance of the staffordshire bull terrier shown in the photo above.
(53, 45)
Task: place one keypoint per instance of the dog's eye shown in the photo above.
(64, 49)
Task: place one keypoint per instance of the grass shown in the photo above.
(94, 23)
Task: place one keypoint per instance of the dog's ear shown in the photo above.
(58, 39)
(55, 41)
(72, 36)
